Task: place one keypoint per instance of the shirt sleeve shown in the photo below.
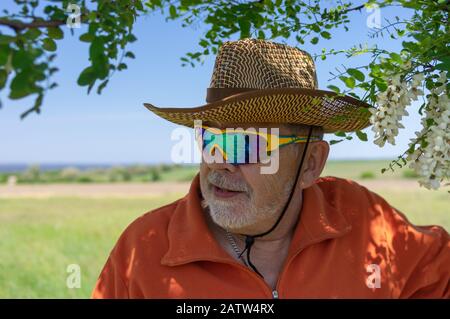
(431, 276)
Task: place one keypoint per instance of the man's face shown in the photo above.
(239, 197)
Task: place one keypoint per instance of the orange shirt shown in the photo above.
(348, 243)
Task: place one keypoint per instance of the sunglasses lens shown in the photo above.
(236, 148)
(209, 141)
(244, 148)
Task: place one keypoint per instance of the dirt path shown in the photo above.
(152, 189)
(94, 190)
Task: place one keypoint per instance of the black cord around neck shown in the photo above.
(250, 239)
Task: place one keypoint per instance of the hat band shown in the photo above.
(216, 94)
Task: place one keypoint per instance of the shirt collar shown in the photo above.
(191, 240)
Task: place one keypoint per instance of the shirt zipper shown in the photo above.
(275, 294)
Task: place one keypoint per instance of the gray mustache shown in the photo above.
(219, 180)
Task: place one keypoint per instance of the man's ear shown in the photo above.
(316, 157)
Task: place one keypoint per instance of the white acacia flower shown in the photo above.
(432, 163)
(392, 103)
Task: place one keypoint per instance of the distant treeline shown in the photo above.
(172, 172)
(134, 173)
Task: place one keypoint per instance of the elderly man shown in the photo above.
(285, 233)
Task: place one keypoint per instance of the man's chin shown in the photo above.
(228, 219)
(226, 209)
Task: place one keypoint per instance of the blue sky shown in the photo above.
(115, 128)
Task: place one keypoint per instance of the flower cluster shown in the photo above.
(432, 162)
(392, 104)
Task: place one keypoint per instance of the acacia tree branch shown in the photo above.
(354, 9)
(19, 25)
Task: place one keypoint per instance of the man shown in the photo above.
(288, 233)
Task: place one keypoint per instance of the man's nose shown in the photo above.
(218, 161)
(222, 166)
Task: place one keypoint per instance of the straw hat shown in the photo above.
(258, 81)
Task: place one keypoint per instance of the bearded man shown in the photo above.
(242, 232)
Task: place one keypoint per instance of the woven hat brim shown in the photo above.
(288, 105)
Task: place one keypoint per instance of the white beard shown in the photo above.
(237, 214)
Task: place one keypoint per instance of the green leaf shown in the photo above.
(335, 141)
(36, 106)
(381, 84)
(4, 54)
(334, 88)
(325, 34)
(87, 37)
(33, 33)
(131, 38)
(261, 34)
(362, 136)
(6, 39)
(349, 82)
(101, 66)
(352, 94)
(357, 74)
(445, 65)
(244, 26)
(87, 76)
(423, 144)
(299, 39)
(96, 49)
(52, 70)
(130, 55)
(340, 133)
(173, 11)
(49, 45)
(18, 94)
(421, 108)
(396, 57)
(20, 81)
(102, 86)
(91, 86)
(55, 33)
(21, 59)
(92, 16)
(3, 78)
(315, 40)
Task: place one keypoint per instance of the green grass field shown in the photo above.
(40, 237)
(355, 169)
